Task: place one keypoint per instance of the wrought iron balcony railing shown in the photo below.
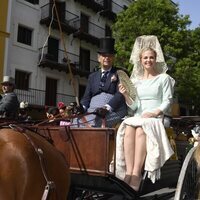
(58, 60)
(89, 32)
(66, 18)
(95, 5)
(93, 29)
(36, 97)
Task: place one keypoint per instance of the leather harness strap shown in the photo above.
(49, 184)
(84, 120)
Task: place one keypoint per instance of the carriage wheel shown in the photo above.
(87, 194)
(92, 187)
(187, 181)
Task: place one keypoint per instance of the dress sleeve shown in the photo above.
(134, 104)
(167, 93)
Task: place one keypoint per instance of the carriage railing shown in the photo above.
(187, 181)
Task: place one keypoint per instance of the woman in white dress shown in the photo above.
(142, 142)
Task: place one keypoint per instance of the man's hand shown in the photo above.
(80, 109)
(77, 109)
(101, 112)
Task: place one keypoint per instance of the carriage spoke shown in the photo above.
(83, 194)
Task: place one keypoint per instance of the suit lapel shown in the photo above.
(108, 80)
(97, 79)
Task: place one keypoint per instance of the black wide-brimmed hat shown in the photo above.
(107, 46)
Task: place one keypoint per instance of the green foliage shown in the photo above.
(181, 46)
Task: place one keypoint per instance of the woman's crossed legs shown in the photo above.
(135, 153)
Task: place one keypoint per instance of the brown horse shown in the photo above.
(30, 167)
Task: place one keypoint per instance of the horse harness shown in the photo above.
(50, 185)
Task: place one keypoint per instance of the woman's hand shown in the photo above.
(122, 90)
(154, 114)
(149, 115)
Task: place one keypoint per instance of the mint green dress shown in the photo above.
(152, 94)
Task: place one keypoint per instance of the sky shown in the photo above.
(190, 7)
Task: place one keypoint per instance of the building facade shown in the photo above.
(4, 33)
(53, 45)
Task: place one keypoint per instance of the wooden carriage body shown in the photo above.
(89, 152)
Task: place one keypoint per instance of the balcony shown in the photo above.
(66, 18)
(89, 32)
(111, 9)
(106, 8)
(58, 61)
(95, 5)
(36, 98)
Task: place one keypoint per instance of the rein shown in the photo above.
(81, 117)
(50, 185)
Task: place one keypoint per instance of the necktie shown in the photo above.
(103, 78)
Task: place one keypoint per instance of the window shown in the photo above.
(53, 45)
(51, 91)
(22, 80)
(84, 26)
(61, 11)
(108, 31)
(108, 4)
(24, 35)
(84, 59)
(81, 91)
(33, 1)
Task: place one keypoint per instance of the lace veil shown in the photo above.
(140, 43)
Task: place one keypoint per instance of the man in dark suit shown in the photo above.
(101, 94)
(9, 104)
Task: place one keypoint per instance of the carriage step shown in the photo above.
(169, 177)
(162, 194)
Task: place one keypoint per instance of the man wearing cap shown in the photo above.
(9, 104)
(101, 94)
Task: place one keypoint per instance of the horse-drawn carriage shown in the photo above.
(90, 153)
